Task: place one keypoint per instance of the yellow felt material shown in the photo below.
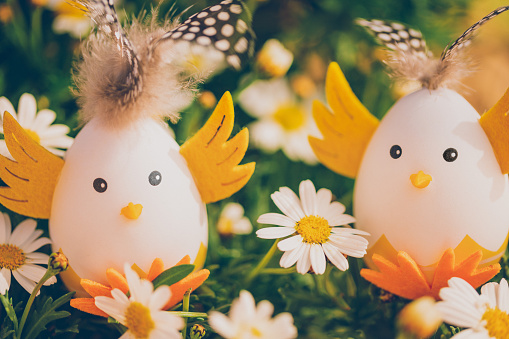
(346, 130)
(213, 159)
(200, 257)
(420, 179)
(495, 123)
(132, 211)
(33, 175)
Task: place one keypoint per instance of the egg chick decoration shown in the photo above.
(431, 177)
(126, 191)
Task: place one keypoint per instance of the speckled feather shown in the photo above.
(409, 58)
(137, 71)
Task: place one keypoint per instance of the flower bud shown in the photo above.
(58, 261)
(420, 318)
(274, 59)
(197, 331)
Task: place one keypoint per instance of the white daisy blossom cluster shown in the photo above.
(232, 220)
(310, 225)
(274, 58)
(283, 122)
(37, 125)
(485, 315)
(18, 256)
(249, 321)
(142, 313)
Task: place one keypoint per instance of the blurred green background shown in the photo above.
(37, 56)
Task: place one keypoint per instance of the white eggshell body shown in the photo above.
(88, 226)
(468, 196)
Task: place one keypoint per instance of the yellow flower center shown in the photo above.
(256, 332)
(225, 226)
(138, 320)
(497, 323)
(313, 229)
(33, 135)
(291, 117)
(11, 257)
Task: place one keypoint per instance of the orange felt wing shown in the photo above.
(346, 130)
(213, 159)
(31, 177)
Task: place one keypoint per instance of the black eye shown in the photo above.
(450, 154)
(155, 178)
(395, 151)
(100, 185)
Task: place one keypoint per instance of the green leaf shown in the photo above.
(9, 309)
(45, 313)
(173, 275)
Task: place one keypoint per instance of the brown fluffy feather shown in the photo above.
(101, 77)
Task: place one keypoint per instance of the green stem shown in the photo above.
(279, 271)
(189, 314)
(261, 265)
(185, 309)
(49, 273)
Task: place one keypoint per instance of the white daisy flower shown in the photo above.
(274, 59)
(142, 313)
(17, 254)
(232, 220)
(485, 316)
(248, 321)
(37, 125)
(283, 122)
(310, 222)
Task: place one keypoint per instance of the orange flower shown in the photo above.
(117, 280)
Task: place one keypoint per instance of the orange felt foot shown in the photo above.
(95, 289)
(405, 279)
(87, 305)
(466, 270)
(192, 281)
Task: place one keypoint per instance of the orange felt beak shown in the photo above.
(420, 179)
(131, 211)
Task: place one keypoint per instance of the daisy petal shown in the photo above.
(323, 199)
(43, 120)
(36, 244)
(335, 256)
(317, 257)
(304, 262)
(340, 219)
(54, 131)
(274, 232)
(290, 243)
(289, 258)
(5, 228)
(27, 108)
(22, 232)
(307, 193)
(290, 194)
(28, 285)
(37, 258)
(6, 273)
(285, 204)
(222, 325)
(276, 219)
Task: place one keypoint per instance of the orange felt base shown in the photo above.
(408, 281)
(117, 280)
